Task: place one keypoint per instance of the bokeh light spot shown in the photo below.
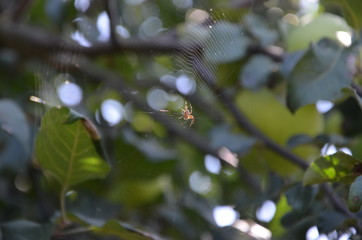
(70, 93)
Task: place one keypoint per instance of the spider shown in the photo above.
(187, 113)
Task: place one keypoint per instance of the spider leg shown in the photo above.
(192, 120)
(190, 111)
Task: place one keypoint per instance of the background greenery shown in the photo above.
(260, 67)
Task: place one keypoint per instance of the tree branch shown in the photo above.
(36, 42)
(111, 9)
(244, 123)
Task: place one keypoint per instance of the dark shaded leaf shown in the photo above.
(355, 195)
(66, 151)
(25, 230)
(330, 220)
(319, 75)
(255, 73)
(260, 29)
(13, 122)
(299, 139)
(301, 198)
(338, 167)
(238, 143)
(226, 43)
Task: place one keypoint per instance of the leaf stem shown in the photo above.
(63, 211)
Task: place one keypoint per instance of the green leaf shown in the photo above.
(338, 167)
(238, 143)
(13, 122)
(319, 75)
(351, 11)
(226, 43)
(355, 195)
(66, 151)
(25, 230)
(255, 73)
(124, 231)
(301, 198)
(259, 28)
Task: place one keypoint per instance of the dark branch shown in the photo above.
(111, 9)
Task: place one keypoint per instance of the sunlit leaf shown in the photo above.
(351, 11)
(319, 75)
(66, 150)
(339, 167)
(282, 208)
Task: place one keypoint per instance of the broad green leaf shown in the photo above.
(330, 220)
(338, 167)
(13, 122)
(124, 231)
(301, 198)
(238, 143)
(25, 230)
(351, 11)
(259, 28)
(66, 150)
(325, 25)
(14, 136)
(319, 75)
(255, 73)
(226, 43)
(355, 195)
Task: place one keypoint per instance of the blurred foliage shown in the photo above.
(72, 172)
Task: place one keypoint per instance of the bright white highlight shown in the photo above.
(103, 27)
(185, 85)
(229, 157)
(253, 229)
(81, 5)
(328, 149)
(324, 106)
(346, 150)
(309, 6)
(123, 32)
(112, 111)
(70, 93)
(196, 16)
(157, 99)
(79, 38)
(266, 212)
(225, 216)
(200, 183)
(344, 37)
(312, 233)
(182, 3)
(212, 164)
